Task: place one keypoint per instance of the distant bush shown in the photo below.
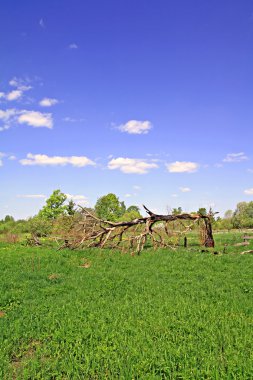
(39, 226)
(10, 238)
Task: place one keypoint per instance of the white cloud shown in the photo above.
(68, 119)
(43, 159)
(128, 195)
(14, 82)
(34, 196)
(81, 199)
(10, 157)
(135, 127)
(20, 84)
(131, 165)
(73, 46)
(184, 189)
(235, 157)
(4, 128)
(137, 187)
(14, 95)
(174, 195)
(33, 118)
(36, 119)
(249, 191)
(182, 167)
(6, 115)
(48, 102)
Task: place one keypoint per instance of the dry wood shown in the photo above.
(247, 252)
(132, 235)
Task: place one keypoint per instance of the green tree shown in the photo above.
(8, 218)
(54, 206)
(109, 207)
(177, 211)
(40, 226)
(228, 214)
(70, 207)
(202, 211)
(132, 212)
(243, 215)
(133, 208)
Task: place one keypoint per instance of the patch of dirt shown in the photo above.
(86, 264)
(2, 313)
(54, 276)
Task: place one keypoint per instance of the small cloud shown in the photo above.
(20, 84)
(81, 199)
(36, 119)
(41, 23)
(184, 189)
(48, 102)
(34, 196)
(68, 119)
(182, 167)
(33, 118)
(128, 195)
(4, 128)
(43, 160)
(137, 187)
(131, 165)
(14, 95)
(7, 116)
(135, 127)
(6, 156)
(174, 195)
(235, 157)
(73, 46)
(249, 191)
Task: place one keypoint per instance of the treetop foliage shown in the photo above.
(108, 207)
(54, 206)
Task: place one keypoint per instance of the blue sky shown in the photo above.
(151, 100)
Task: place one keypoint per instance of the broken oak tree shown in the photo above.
(90, 231)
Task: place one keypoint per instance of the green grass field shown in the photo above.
(169, 314)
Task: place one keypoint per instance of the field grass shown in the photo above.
(93, 314)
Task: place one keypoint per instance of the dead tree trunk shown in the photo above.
(132, 235)
(209, 241)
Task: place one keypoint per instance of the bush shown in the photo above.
(39, 226)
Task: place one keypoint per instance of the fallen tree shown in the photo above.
(90, 231)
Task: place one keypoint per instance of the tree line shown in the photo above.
(59, 211)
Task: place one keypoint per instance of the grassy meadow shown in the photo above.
(96, 314)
